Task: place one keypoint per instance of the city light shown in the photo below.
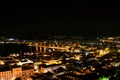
(64, 58)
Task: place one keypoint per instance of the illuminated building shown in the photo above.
(6, 75)
(1, 62)
(50, 68)
(24, 61)
(105, 51)
(17, 72)
(27, 72)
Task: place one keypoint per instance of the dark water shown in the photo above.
(6, 49)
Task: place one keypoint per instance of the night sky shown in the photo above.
(83, 18)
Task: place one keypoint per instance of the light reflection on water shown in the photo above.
(6, 49)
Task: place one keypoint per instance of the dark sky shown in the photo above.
(59, 17)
